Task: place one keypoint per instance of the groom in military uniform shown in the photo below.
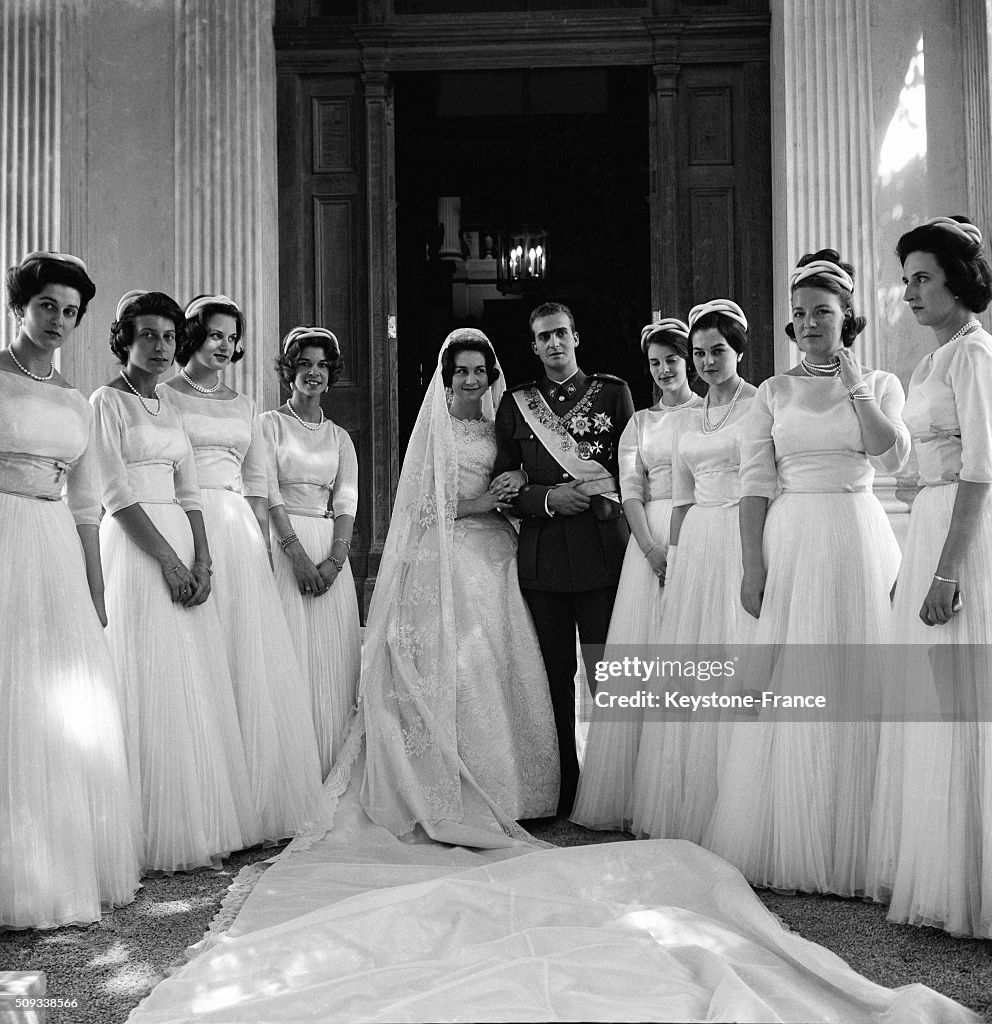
(562, 431)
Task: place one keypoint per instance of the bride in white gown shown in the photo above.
(454, 702)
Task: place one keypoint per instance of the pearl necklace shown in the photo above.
(680, 405)
(198, 387)
(831, 369)
(35, 376)
(300, 419)
(966, 329)
(711, 428)
(141, 397)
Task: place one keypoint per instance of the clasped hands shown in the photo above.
(188, 587)
(503, 489)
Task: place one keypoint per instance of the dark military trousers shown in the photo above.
(556, 614)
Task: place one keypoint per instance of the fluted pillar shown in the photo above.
(824, 168)
(42, 123)
(826, 131)
(226, 198)
(977, 81)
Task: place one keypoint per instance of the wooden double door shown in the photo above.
(697, 136)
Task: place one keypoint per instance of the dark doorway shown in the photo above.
(566, 149)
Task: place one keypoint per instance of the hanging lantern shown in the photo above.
(522, 261)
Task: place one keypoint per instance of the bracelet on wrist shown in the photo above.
(203, 565)
(337, 563)
(287, 540)
(172, 568)
(341, 540)
(944, 579)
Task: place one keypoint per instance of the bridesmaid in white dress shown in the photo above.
(645, 459)
(675, 777)
(931, 836)
(68, 836)
(795, 796)
(271, 691)
(182, 722)
(313, 498)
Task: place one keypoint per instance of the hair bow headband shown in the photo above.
(309, 332)
(725, 306)
(670, 323)
(822, 268)
(208, 300)
(126, 299)
(968, 232)
(59, 257)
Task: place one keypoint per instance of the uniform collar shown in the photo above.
(561, 392)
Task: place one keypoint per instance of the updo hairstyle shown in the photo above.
(676, 342)
(289, 358)
(733, 333)
(146, 304)
(197, 325)
(853, 324)
(468, 345)
(962, 258)
(30, 278)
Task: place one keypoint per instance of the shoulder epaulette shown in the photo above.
(526, 384)
(608, 377)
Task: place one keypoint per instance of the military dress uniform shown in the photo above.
(568, 565)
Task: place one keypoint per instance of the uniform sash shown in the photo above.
(561, 446)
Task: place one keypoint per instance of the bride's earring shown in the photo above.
(449, 396)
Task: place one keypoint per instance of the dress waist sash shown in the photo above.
(218, 467)
(305, 498)
(32, 476)
(153, 482)
(825, 472)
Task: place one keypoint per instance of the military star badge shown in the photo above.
(602, 422)
(580, 425)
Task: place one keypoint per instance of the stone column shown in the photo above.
(824, 168)
(825, 129)
(977, 74)
(42, 125)
(226, 192)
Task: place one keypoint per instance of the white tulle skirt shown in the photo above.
(68, 823)
(607, 778)
(182, 722)
(326, 635)
(679, 757)
(271, 691)
(795, 796)
(931, 827)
